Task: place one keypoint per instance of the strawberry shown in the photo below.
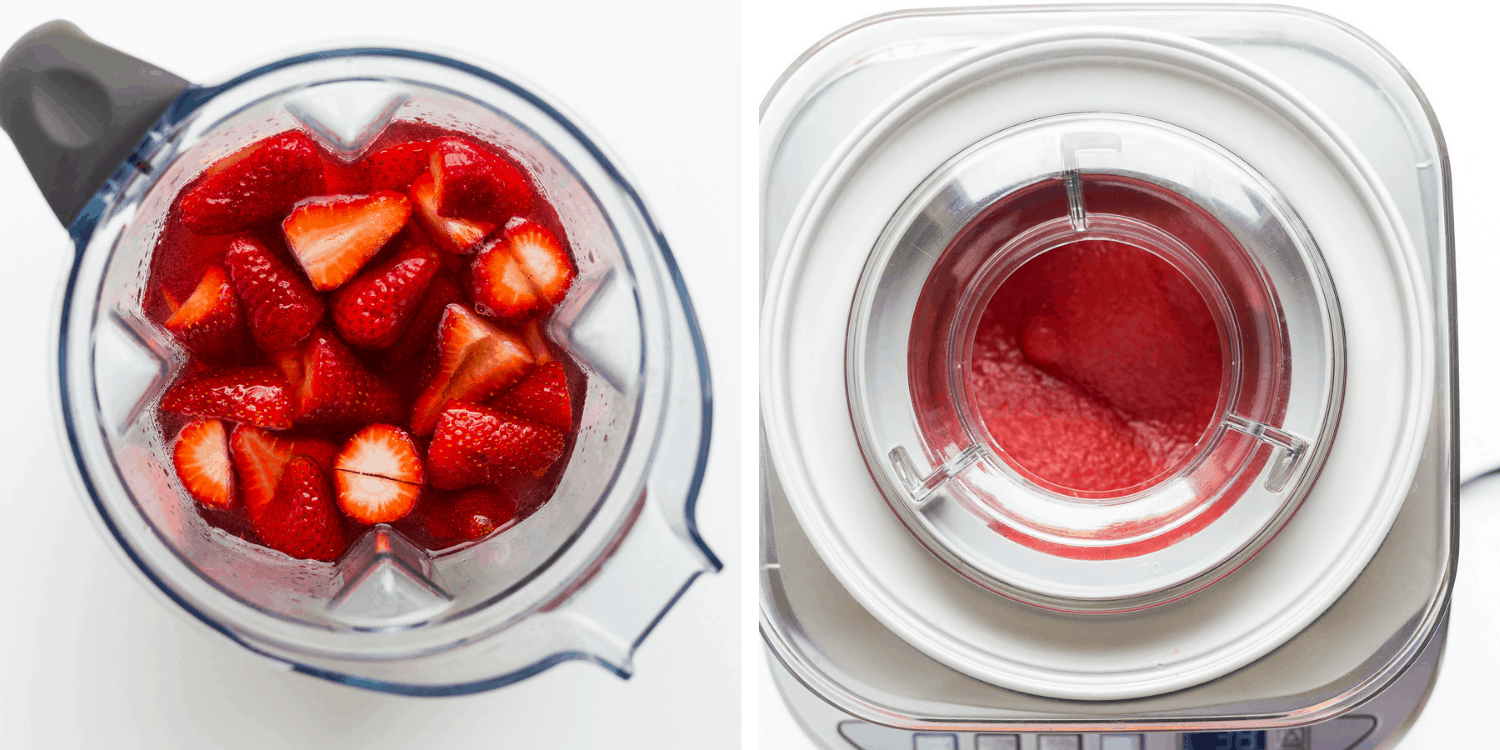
(472, 514)
(338, 390)
(455, 235)
(301, 520)
(475, 444)
(371, 310)
(334, 236)
(395, 167)
(402, 357)
(259, 457)
(474, 360)
(209, 323)
(201, 457)
(532, 332)
(543, 258)
(279, 305)
(256, 184)
(254, 395)
(541, 396)
(524, 272)
(378, 474)
(472, 183)
(498, 283)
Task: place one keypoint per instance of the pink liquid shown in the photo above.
(1096, 367)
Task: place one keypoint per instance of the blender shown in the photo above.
(111, 139)
(1284, 584)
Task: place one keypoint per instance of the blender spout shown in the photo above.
(76, 109)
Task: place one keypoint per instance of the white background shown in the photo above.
(89, 659)
(1449, 49)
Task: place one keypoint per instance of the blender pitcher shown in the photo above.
(112, 140)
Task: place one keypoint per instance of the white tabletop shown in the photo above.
(91, 659)
(1448, 48)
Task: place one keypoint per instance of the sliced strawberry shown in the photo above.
(475, 444)
(402, 359)
(259, 457)
(499, 284)
(201, 457)
(472, 183)
(474, 361)
(279, 305)
(254, 395)
(301, 519)
(546, 263)
(472, 514)
(378, 474)
(532, 332)
(256, 184)
(372, 310)
(523, 272)
(455, 235)
(337, 389)
(541, 396)
(333, 236)
(395, 167)
(209, 323)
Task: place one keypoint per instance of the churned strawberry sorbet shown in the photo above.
(1096, 367)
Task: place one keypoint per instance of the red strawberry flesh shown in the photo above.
(541, 396)
(201, 458)
(395, 167)
(254, 395)
(543, 258)
(256, 184)
(259, 457)
(334, 236)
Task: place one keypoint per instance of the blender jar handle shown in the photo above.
(76, 110)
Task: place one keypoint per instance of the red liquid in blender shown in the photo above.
(442, 517)
(1096, 367)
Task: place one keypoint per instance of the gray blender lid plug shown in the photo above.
(76, 109)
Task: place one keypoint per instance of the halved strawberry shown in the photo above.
(541, 255)
(254, 395)
(209, 323)
(455, 235)
(474, 361)
(201, 457)
(259, 457)
(471, 514)
(475, 444)
(279, 305)
(372, 310)
(499, 285)
(333, 236)
(401, 360)
(532, 332)
(541, 396)
(255, 184)
(472, 183)
(523, 272)
(395, 167)
(301, 520)
(378, 474)
(337, 389)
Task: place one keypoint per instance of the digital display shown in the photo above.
(1224, 741)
